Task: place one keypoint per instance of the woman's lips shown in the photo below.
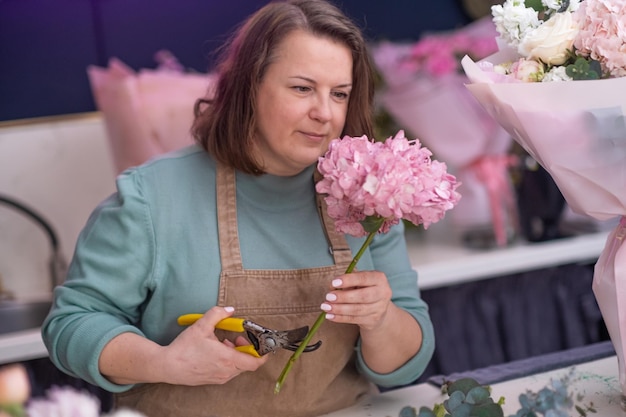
(318, 137)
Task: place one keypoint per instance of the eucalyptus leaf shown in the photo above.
(456, 399)
(487, 410)
(464, 385)
(463, 410)
(478, 396)
(409, 411)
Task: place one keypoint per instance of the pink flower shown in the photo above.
(439, 54)
(527, 70)
(14, 385)
(603, 34)
(391, 180)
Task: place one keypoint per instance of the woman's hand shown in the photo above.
(195, 357)
(360, 298)
(389, 335)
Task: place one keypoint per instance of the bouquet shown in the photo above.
(556, 86)
(425, 91)
(149, 112)
(370, 186)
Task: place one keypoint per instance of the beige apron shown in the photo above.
(319, 382)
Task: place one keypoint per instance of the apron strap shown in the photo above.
(230, 253)
(339, 247)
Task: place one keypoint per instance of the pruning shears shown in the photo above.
(262, 339)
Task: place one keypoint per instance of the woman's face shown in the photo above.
(302, 102)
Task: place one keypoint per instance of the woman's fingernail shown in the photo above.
(330, 316)
(337, 283)
(229, 309)
(331, 297)
(325, 307)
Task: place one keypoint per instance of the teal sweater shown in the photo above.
(150, 253)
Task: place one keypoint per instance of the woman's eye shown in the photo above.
(302, 88)
(341, 95)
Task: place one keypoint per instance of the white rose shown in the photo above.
(551, 41)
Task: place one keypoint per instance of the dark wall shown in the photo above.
(46, 45)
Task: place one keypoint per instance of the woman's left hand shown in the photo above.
(364, 299)
(361, 298)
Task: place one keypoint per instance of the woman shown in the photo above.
(231, 226)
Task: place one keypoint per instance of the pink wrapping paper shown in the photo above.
(146, 113)
(577, 131)
(609, 287)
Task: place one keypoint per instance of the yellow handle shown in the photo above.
(249, 349)
(230, 324)
(188, 319)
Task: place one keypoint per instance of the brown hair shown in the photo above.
(225, 123)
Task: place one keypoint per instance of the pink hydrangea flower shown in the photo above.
(602, 35)
(377, 184)
(392, 180)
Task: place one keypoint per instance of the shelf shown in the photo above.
(441, 261)
(21, 346)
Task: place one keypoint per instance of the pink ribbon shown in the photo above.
(492, 170)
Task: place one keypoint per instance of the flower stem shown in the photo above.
(320, 319)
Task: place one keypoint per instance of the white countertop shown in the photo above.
(22, 346)
(439, 262)
(597, 383)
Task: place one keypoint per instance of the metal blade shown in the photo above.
(295, 335)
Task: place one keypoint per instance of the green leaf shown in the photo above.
(439, 410)
(372, 223)
(463, 410)
(536, 5)
(464, 385)
(457, 398)
(478, 395)
(424, 412)
(409, 411)
(13, 410)
(584, 69)
(487, 410)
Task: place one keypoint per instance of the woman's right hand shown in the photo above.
(197, 357)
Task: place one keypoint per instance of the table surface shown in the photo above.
(596, 381)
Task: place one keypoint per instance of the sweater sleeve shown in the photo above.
(108, 280)
(389, 255)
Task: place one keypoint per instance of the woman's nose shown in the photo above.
(321, 110)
